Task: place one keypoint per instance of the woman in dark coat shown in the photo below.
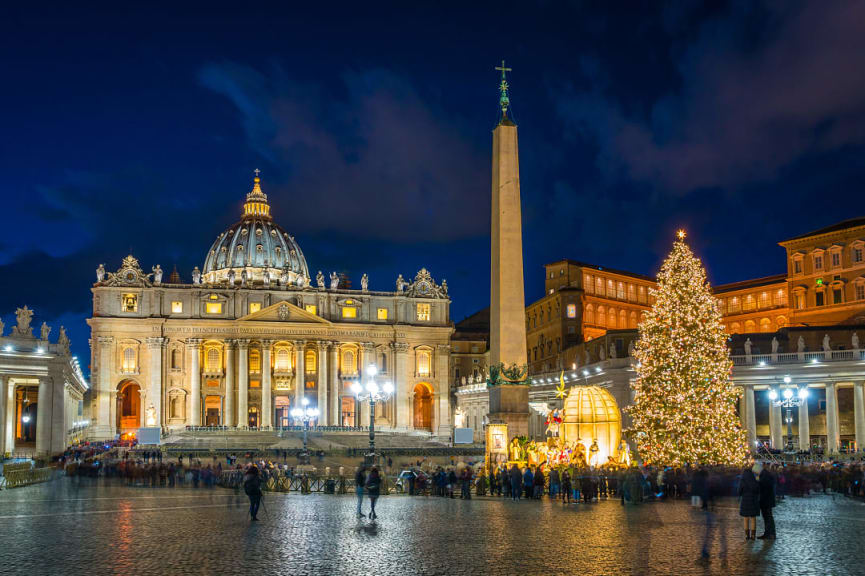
(749, 502)
(373, 489)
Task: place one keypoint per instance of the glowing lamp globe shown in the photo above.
(773, 395)
(788, 393)
(356, 389)
(803, 393)
(371, 370)
(304, 401)
(372, 387)
(312, 412)
(388, 388)
(296, 413)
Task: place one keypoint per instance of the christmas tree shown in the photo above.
(684, 409)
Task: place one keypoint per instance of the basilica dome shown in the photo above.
(258, 246)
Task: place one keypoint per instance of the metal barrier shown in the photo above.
(303, 483)
(18, 478)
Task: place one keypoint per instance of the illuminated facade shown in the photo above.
(41, 390)
(252, 336)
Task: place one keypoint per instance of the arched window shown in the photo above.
(382, 367)
(175, 359)
(750, 326)
(423, 363)
(623, 319)
(602, 317)
(765, 325)
(309, 362)
(348, 366)
(735, 328)
(254, 360)
(129, 360)
(599, 286)
(780, 321)
(611, 318)
(211, 364)
(283, 360)
(590, 314)
(633, 323)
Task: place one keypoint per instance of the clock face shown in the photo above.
(130, 276)
(423, 288)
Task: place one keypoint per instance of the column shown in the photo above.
(228, 418)
(832, 435)
(105, 393)
(443, 388)
(154, 393)
(400, 384)
(266, 391)
(43, 417)
(242, 383)
(193, 346)
(58, 427)
(300, 369)
(750, 416)
(8, 432)
(776, 425)
(859, 414)
(3, 419)
(367, 358)
(335, 385)
(804, 426)
(322, 383)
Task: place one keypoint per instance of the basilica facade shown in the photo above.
(254, 335)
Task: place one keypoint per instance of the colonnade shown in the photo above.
(777, 425)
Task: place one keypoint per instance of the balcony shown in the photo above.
(798, 357)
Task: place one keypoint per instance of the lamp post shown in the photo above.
(788, 401)
(374, 394)
(304, 414)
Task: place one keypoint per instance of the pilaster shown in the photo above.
(804, 426)
(859, 414)
(193, 347)
(154, 393)
(334, 383)
(832, 435)
(105, 391)
(266, 388)
(444, 410)
(242, 383)
(43, 417)
(300, 370)
(322, 383)
(400, 376)
(228, 419)
(750, 416)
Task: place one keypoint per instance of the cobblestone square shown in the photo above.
(82, 526)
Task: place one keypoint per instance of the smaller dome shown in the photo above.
(591, 414)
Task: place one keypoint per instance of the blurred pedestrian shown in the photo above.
(373, 487)
(359, 482)
(767, 502)
(252, 487)
(749, 500)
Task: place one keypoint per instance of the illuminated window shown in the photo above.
(620, 291)
(750, 303)
(765, 325)
(255, 383)
(781, 298)
(213, 297)
(572, 310)
(348, 366)
(589, 285)
(212, 361)
(213, 307)
(611, 318)
(176, 307)
(599, 286)
(254, 361)
(349, 312)
(130, 302)
(642, 297)
(254, 307)
(611, 289)
(590, 314)
(764, 300)
(382, 313)
(423, 363)
(311, 308)
(799, 299)
(309, 362)
(632, 293)
(735, 305)
(283, 360)
(423, 312)
(129, 360)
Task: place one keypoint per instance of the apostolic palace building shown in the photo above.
(254, 334)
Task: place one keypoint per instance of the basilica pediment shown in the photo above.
(284, 312)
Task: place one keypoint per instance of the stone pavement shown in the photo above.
(84, 526)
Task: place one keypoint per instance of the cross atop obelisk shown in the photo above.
(504, 100)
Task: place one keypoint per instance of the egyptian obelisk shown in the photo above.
(509, 395)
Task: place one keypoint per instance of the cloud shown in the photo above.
(368, 156)
(759, 87)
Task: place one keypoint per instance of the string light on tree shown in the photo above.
(684, 408)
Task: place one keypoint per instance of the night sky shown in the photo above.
(139, 128)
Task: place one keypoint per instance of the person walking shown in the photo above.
(516, 482)
(252, 487)
(529, 483)
(359, 482)
(767, 483)
(566, 487)
(749, 500)
(373, 488)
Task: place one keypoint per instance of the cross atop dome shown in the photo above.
(256, 201)
(504, 99)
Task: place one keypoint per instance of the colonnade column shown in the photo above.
(335, 418)
(228, 417)
(400, 383)
(300, 376)
(443, 388)
(776, 428)
(105, 392)
(242, 383)
(322, 383)
(43, 417)
(266, 392)
(832, 435)
(750, 416)
(858, 414)
(804, 426)
(8, 430)
(3, 418)
(193, 346)
(154, 391)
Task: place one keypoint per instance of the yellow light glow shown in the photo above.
(176, 307)
(423, 312)
(213, 307)
(681, 234)
(349, 312)
(254, 307)
(382, 313)
(311, 308)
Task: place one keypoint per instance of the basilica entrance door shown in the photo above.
(422, 407)
(283, 415)
(253, 417)
(211, 410)
(130, 405)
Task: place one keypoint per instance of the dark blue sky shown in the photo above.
(140, 127)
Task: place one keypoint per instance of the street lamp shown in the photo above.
(374, 394)
(788, 401)
(304, 414)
